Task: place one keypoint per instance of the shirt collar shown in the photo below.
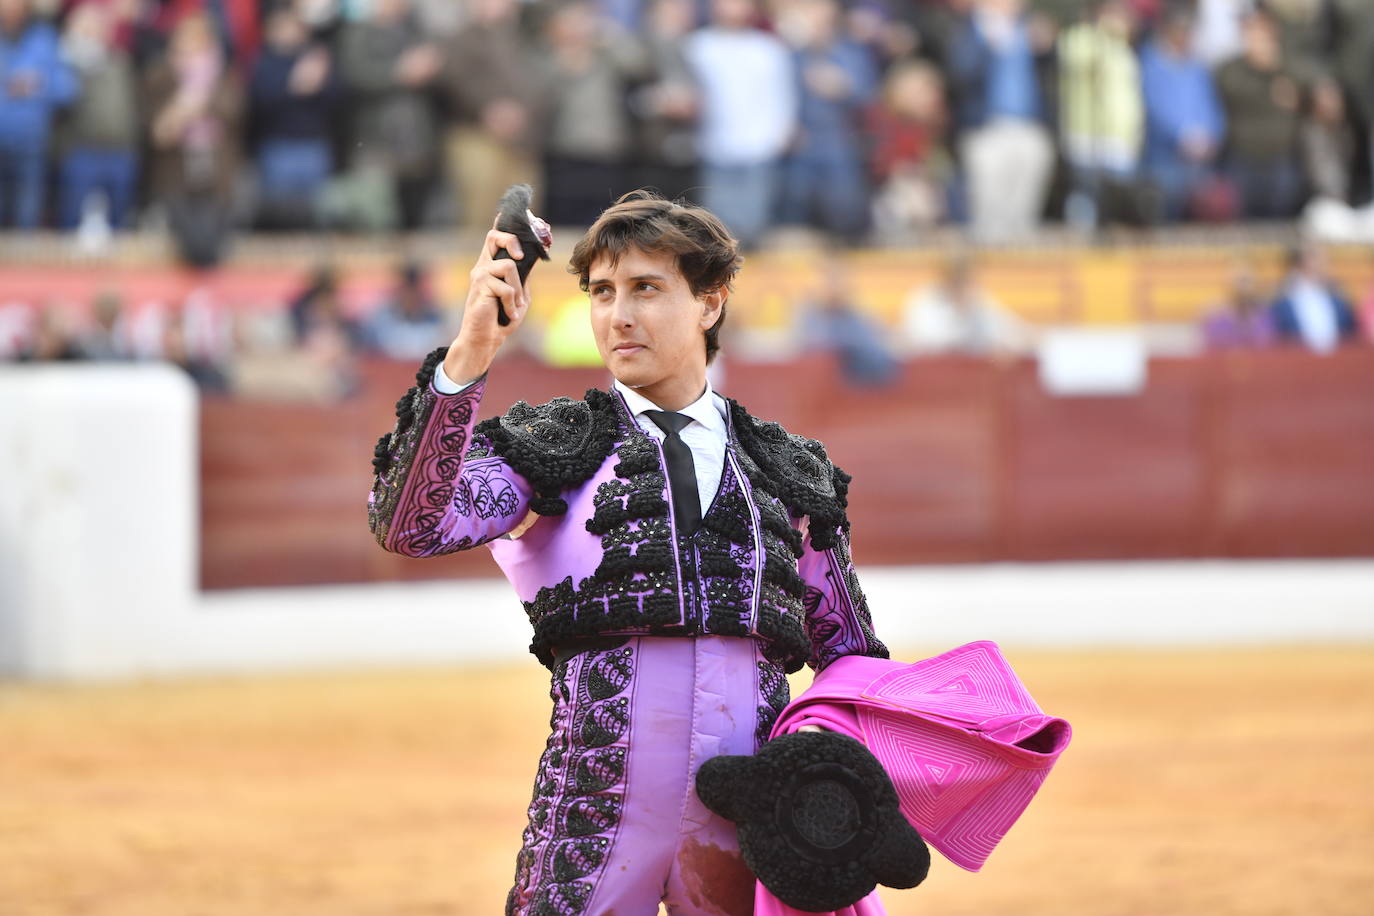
(708, 410)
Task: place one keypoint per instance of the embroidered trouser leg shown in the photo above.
(615, 822)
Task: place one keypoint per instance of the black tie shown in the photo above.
(682, 472)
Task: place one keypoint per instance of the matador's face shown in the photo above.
(648, 325)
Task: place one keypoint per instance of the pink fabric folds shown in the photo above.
(965, 745)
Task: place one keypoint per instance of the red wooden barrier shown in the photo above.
(1249, 455)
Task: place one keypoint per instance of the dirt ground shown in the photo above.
(1239, 782)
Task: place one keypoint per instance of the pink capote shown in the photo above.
(963, 742)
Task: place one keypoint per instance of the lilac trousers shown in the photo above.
(615, 825)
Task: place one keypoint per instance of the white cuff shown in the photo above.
(445, 385)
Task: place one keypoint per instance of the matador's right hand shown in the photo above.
(491, 282)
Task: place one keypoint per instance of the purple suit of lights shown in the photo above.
(572, 499)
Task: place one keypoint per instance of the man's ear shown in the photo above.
(712, 304)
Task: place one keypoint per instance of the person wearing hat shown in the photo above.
(676, 556)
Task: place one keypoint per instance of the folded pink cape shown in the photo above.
(963, 742)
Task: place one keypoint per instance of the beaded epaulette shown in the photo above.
(555, 446)
(796, 470)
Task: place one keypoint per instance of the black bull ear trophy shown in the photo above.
(514, 216)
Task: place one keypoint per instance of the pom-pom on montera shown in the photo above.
(513, 215)
(818, 820)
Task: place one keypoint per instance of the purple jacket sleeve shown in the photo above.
(837, 618)
(438, 489)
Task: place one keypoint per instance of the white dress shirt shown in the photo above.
(1316, 315)
(705, 435)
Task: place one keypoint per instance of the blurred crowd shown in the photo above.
(310, 347)
(956, 315)
(306, 348)
(855, 118)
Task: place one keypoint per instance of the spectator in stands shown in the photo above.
(440, 19)
(302, 306)
(1328, 142)
(195, 104)
(1184, 123)
(1060, 14)
(52, 338)
(832, 322)
(492, 86)
(1102, 114)
(909, 161)
(237, 25)
(107, 338)
(824, 179)
(327, 340)
(590, 138)
(1148, 13)
(667, 106)
(98, 137)
(1217, 35)
(318, 307)
(1311, 310)
(743, 133)
(34, 83)
(125, 19)
(15, 327)
(628, 16)
(888, 32)
(406, 326)
(956, 316)
(1304, 28)
(295, 89)
(141, 28)
(389, 66)
(1354, 59)
(1262, 97)
(1243, 321)
(178, 349)
(925, 30)
(999, 79)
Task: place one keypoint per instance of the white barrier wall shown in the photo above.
(98, 557)
(99, 552)
(98, 527)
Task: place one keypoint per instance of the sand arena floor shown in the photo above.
(1238, 782)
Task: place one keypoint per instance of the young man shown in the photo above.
(675, 555)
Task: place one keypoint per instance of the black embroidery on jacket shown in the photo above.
(395, 455)
(416, 400)
(797, 470)
(832, 620)
(776, 693)
(556, 446)
(579, 789)
(483, 492)
(480, 448)
(560, 445)
(873, 646)
(635, 584)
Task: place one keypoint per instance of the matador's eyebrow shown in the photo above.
(636, 279)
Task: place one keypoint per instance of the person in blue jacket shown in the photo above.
(1184, 120)
(34, 82)
(1310, 309)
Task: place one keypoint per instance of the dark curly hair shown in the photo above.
(707, 255)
